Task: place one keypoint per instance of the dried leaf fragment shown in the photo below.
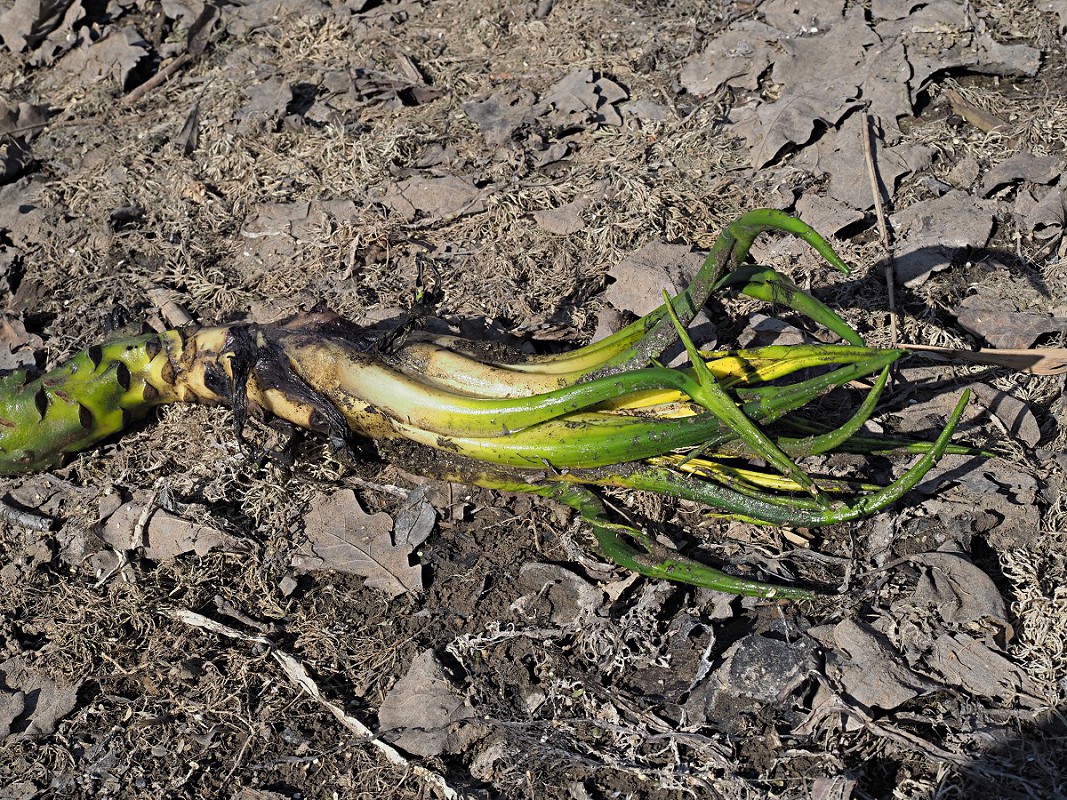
(967, 662)
(639, 282)
(1015, 415)
(17, 346)
(501, 114)
(25, 23)
(444, 197)
(421, 711)
(865, 667)
(341, 536)
(959, 590)
(31, 703)
(267, 102)
(995, 320)
(933, 230)
(415, 521)
(1043, 213)
(1044, 361)
(113, 56)
(736, 57)
(585, 96)
(565, 597)
(1023, 166)
(165, 536)
(563, 220)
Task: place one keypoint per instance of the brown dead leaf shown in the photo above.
(182, 10)
(639, 281)
(189, 136)
(1015, 415)
(31, 703)
(931, 232)
(19, 124)
(445, 197)
(343, 93)
(341, 536)
(763, 331)
(648, 111)
(796, 18)
(979, 476)
(165, 535)
(865, 666)
(828, 215)
(988, 496)
(1042, 214)
(890, 9)
(836, 788)
(764, 669)
(415, 520)
(584, 97)
(958, 590)
(501, 114)
(941, 36)
(113, 56)
(1019, 167)
(301, 220)
(821, 78)
(18, 348)
(266, 104)
(839, 154)
(736, 57)
(23, 220)
(556, 592)
(423, 708)
(834, 61)
(969, 663)
(769, 128)
(25, 23)
(995, 319)
(563, 220)
(244, 18)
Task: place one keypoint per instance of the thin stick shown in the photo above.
(883, 228)
(296, 673)
(156, 80)
(24, 519)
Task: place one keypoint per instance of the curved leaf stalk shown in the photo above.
(596, 439)
(878, 445)
(638, 343)
(665, 481)
(769, 285)
(656, 561)
(613, 541)
(714, 398)
(756, 482)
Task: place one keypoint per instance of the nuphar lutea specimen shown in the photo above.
(605, 415)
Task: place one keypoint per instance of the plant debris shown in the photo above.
(341, 536)
(540, 170)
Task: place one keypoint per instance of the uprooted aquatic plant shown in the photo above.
(608, 414)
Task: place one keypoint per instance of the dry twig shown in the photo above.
(296, 673)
